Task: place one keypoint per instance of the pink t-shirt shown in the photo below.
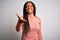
(34, 29)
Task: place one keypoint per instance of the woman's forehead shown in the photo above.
(29, 3)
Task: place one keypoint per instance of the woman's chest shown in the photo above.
(34, 23)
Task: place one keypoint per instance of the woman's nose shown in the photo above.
(29, 7)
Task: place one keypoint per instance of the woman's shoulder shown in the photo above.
(38, 18)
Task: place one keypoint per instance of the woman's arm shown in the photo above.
(18, 26)
(20, 21)
(39, 31)
(40, 35)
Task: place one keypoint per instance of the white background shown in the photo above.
(47, 10)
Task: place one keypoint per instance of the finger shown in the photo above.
(24, 20)
(18, 15)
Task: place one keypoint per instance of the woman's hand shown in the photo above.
(21, 20)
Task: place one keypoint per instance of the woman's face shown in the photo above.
(29, 8)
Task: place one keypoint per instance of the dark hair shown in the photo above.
(25, 16)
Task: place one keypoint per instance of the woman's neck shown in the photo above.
(30, 15)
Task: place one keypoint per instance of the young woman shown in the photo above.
(30, 23)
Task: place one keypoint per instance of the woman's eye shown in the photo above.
(30, 6)
(26, 6)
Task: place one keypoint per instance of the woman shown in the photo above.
(30, 23)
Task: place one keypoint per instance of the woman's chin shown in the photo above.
(29, 12)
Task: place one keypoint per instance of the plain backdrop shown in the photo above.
(47, 10)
